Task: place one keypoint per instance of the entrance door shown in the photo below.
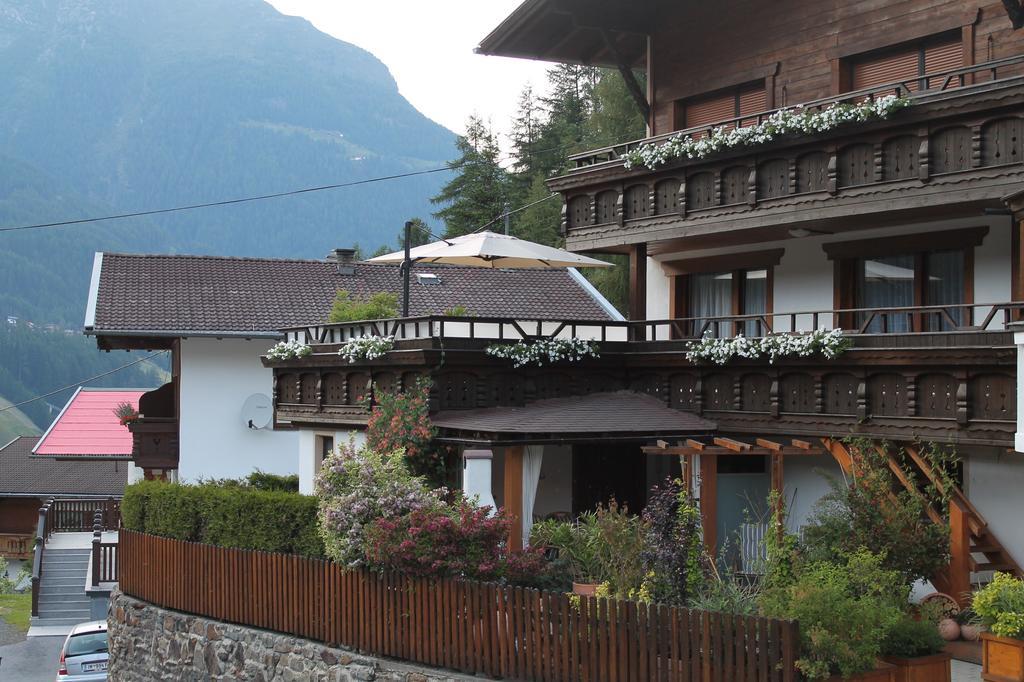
(603, 471)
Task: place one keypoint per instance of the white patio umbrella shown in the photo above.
(484, 250)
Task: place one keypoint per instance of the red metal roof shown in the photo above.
(87, 426)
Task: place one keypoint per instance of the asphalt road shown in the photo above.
(31, 660)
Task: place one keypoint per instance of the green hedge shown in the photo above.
(227, 516)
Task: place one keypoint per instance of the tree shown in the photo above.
(478, 192)
(418, 236)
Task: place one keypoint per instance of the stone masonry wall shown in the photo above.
(150, 643)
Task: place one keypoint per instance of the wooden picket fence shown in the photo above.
(476, 628)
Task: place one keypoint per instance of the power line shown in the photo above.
(83, 381)
(513, 212)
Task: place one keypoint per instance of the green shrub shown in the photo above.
(261, 480)
(226, 515)
(352, 308)
(1000, 605)
(909, 638)
(845, 611)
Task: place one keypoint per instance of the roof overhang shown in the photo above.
(592, 32)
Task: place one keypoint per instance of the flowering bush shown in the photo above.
(1000, 604)
(401, 421)
(828, 343)
(544, 351)
(366, 347)
(358, 487)
(673, 549)
(782, 122)
(286, 350)
(460, 541)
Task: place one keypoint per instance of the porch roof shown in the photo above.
(599, 416)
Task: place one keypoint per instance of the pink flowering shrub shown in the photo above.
(461, 540)
(401, 421)
(358, 487)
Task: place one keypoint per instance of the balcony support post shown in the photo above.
(709, 502)
(513, 499)
(638, 282)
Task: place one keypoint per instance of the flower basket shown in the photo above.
(1002, 659)
(883, 672)
(585, 589)
(934, 668)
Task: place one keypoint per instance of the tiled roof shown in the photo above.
(170, 295)
(616, 413)
(87, 426)
(23, 474)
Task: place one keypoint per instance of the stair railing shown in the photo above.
(43, 528)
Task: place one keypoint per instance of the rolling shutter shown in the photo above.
(707, 110)
(945, 56)
(752, 101)
(887, 68)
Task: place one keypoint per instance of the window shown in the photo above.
(910, 63)
(723, 294)
(722, 106)
(929, 279)
(324, 448)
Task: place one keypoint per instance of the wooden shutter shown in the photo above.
(944, 56)
(887, 68)
(752, 101)
(707, 110)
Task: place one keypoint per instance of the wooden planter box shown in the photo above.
(883, 672)
(935, 668)
(1002, 659)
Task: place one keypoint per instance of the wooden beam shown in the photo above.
(778, 488)
(685, 450)
(513, 489)
(695, 444)
(959, 553)
(709, 502)
(638, 282)
(1015, 10)
(802, 444)
(686, 469)
(734, 445)
(770, 444)
(632, 84)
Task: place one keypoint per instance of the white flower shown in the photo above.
(782, 122)
(286, 350)
(544, 350)
(366, 347)
(828, 343)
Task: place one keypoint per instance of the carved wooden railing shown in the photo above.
(964, 79)
(16, 545)
(963, 317)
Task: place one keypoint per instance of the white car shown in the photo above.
(83, 657)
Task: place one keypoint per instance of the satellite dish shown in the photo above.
(257, 411)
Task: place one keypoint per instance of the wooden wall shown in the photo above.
(711, 45)
(19, 514)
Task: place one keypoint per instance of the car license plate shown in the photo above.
(94, 667)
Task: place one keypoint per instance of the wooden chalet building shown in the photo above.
(904, 230)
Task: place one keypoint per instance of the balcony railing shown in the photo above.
(964, 79)
(958, 318)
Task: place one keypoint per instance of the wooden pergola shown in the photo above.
(708, 451)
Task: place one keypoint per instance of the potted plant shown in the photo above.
(125, 413)
(1000, 606)
(575, 545)
(916, 649)
(970, 625)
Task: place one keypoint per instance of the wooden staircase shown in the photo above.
(974, 548)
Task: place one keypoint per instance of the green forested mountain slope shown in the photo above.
(135, 104)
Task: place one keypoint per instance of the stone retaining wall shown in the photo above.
(151, 643)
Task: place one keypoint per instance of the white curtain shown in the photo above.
(711, 296)
(886, 282)
(533, 457)
(945, 272)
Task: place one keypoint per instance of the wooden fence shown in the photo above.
(79, 515)
(476, 628)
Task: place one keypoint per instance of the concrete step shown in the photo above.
(62, 572)
(51, 581)
(81, 614)
(60, 599)
(48, 622)
(61, 590)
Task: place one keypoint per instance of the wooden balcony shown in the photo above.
(954, 384)
(956, 150)
(155, 442)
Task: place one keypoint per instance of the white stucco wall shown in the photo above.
(805, 483)
(803, 278)
(216, 378)
(994, 481)
(309, 452)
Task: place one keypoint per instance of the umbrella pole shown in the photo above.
(406, 270)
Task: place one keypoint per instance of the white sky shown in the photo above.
(428, 45)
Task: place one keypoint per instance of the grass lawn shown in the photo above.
(16, 609)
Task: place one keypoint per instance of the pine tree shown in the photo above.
(418, 235)
(478, 192)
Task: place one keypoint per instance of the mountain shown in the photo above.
(122, 105)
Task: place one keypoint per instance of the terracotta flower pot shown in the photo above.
(1002, 659)
(949, 629)
(935, 668)
(585, 589)
(970, 632)
(883, 672)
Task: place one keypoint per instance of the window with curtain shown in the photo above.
(711, 296)
(935, 278)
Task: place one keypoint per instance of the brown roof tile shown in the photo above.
(166, 295)
(23, 474)
(618, 413)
